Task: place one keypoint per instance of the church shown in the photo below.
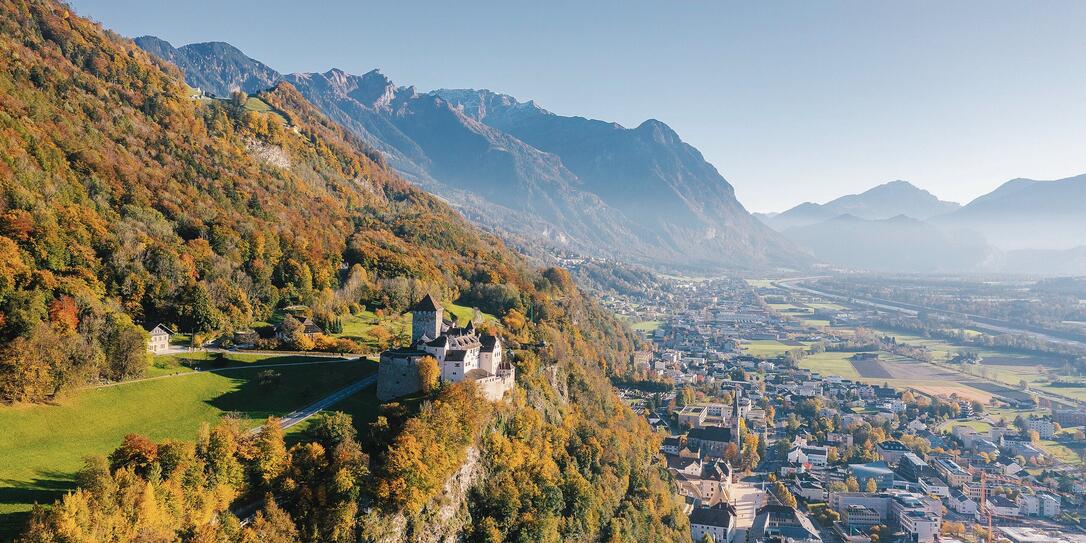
(462, 353)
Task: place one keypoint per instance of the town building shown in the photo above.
(891, 451)
(717, 521)
(782, 523)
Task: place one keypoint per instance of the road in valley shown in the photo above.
(978, 321)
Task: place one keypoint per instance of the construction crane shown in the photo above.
(984, 504)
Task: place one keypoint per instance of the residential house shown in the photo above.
(717, 521)
(160, 339)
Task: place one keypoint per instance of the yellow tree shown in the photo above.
(429, 372)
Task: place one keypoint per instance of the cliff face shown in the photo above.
(446, 519)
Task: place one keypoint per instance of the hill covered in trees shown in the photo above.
(125, 201)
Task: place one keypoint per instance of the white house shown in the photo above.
(1045, 428)
(962, 504)
(1002, 506)
(814, 455)
(462, 353)
(160, 339)
(717, 521)
(1038, 505)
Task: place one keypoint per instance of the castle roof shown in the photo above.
(455, 355)
(427, 303)
(488, 343)
(475, 374)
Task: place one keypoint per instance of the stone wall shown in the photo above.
(397, 376)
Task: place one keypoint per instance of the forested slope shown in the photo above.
(125, 202)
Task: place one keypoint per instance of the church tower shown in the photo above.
(736, 416)
(426, 318)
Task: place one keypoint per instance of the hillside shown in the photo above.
(125, 202)
(882, 202)
(1024, 214)
(570, 182)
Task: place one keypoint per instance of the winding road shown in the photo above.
(300, 415)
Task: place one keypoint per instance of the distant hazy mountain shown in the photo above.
(1028, 214)
(897, 244)
(1046, 261)
(882, 202)
(638, 193)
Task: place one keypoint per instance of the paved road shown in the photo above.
(350, 390)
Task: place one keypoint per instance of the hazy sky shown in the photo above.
(791, 101)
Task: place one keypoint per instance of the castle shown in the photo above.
(462, 353)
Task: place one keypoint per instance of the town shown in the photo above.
(789, 416)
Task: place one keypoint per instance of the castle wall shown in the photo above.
(397, 376)
(493, 388)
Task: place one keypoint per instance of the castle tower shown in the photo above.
(426, 318)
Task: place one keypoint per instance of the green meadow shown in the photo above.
(42, 446)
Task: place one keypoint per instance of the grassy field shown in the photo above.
(44, 445)
(760, 283)
(767, 348)
(830, 364)
(1061, 452)
(646, 326)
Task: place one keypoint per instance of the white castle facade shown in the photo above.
(461, 353)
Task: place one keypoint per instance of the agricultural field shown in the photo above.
(646, 326)
(44, 445)
(767, 348)
(827, 306)
(830, 364)
(760, 283)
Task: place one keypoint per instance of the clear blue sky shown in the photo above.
(791, 101)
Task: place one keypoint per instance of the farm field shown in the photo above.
(902, 373)
(767, 348)
(760, 283)
(830, 364)
(44, 445)
(646, 326)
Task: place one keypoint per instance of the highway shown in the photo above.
(978, 321)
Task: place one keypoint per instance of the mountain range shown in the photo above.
(1024, 226)
(641, 194)
(882, 202)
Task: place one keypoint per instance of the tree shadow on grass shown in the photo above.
(44, 490)
(278, 391)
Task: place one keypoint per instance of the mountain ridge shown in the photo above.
(651, 198)
(880, 202)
